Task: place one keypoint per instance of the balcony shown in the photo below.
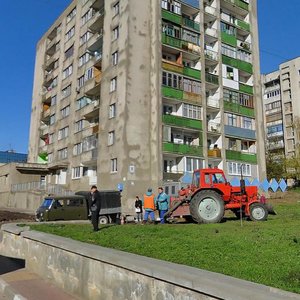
(244, 88)
(237, 108)
(171, 176)
(89, 158)
(96, 23)
(172, 66)
(192, 72)
(213, 127)
(215, 153)
(182, 122)
(92, 86)
(174, 18)
(242, 25)
(211, 32)
(211, 78)
(240, 156)
(171, 41)
(91, 110)
(237, 6)
(237, 63)
(239, 132)
(191, 24)
(228, 39)
(213, 102)
(170, 92)
(211, 55)
(182, 149)
(244, 45)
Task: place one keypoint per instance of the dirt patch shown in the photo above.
(9, 216)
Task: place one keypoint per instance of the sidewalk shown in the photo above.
(25, 285)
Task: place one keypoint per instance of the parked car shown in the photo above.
(75, 207)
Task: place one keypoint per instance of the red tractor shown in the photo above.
(210, 194)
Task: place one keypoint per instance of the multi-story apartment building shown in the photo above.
(281, 92)
(134, 93)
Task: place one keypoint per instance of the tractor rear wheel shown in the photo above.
(103, 220)
(207, 207)
(258, 212)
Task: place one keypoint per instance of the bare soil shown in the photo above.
(9, 216)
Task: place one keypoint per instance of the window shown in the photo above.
(53, 84)
(53, 100)
(89, 143)
(70, 33)
(76, 172)
(171, 30)
(84, 59)
(190, 37)
(69, 52)
(191, 86)
(232, 145)
(62, 153)
(52, 119)
(115, 33)
(192, 111)
(51, 138)
(172, 80)
(247, 123)
(173, 6)
(71, 15)
(66, 91)
(192, 164)
(236, 169)
(80, 81)
(113, 165)
(63, 133)
(232, 120)
(84, 38)
(82, 102)
(50, 157)
(65, 111)
(112, 110)
(231, 30)
(89, 73)
(115, 58)
(77, 149)
(116, 9)
(87, 16)
(111, 138)
(229, 50)
(230, 96)
(67, 71)
(229, 73)
(79, 125)
(113, 84)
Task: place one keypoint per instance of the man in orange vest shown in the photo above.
(149, 205)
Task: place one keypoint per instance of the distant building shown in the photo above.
(137, 94)
(281, 93)
(11, 156)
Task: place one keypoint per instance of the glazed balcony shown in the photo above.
(211, 55)
(211, 78)
(182, 149)
(182, 122)
(240, 156)
(239, 132)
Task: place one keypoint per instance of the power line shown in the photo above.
(274, 54)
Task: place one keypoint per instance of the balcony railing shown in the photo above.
(172, 93)
(182, 122)
(211, 78)
(210, 54)
(237, 63)
(239, 3)
(229, 39)
(190, 23)
(174, 18)
(244, 88)
(214, 153)
(171, 41)
(237, 108)
(240, 156)
(183, 149)
(192, 72)
(212, 32)
(212, 102)
(242, 24)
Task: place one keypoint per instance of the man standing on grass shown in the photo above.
(95, 201)
(162, 201)
(149, 205)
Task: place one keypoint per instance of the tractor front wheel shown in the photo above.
(207, 207)
(258, 212)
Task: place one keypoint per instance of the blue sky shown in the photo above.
(24, 22)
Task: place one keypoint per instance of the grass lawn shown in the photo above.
(263, 252)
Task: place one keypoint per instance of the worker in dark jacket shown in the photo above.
(95, 206)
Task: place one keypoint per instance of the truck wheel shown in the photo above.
(103, 220)
(258, 212)
(207, 207)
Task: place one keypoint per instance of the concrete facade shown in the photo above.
(282, 109)
(93, 272)
(136, 94)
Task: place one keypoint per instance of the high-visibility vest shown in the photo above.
(149, 202)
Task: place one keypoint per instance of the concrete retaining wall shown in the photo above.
(94, 272)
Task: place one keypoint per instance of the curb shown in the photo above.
(9, 292)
